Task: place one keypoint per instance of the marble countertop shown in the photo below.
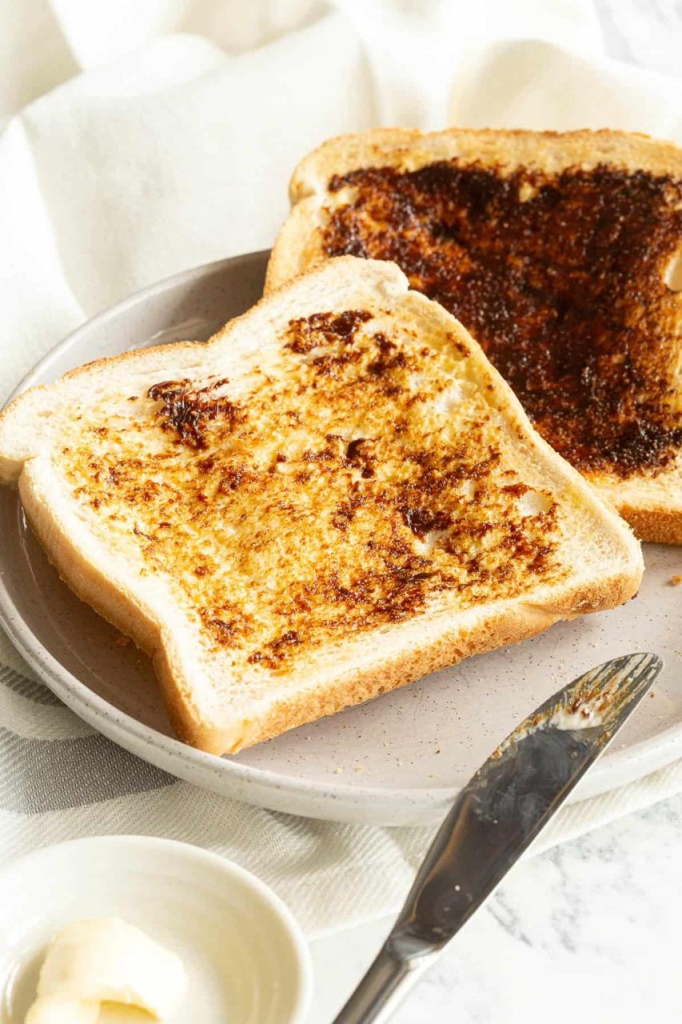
(589, 931)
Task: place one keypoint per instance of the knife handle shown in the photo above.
(384, 985)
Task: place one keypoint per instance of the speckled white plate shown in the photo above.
(396, 760)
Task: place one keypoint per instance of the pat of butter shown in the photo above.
(54, 1010)
(107, 960)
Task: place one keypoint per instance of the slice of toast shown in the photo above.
(562, 254)
(332, 497)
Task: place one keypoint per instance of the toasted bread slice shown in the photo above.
(332, 497)
(562, 254)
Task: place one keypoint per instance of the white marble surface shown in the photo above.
(589, 931)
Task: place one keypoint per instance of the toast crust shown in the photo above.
(659, 525)
(625, 420)
(297, 244)
(498, 629)
(143, 606)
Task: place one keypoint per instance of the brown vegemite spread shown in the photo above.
(561, 280)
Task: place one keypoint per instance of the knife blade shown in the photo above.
(495, 818)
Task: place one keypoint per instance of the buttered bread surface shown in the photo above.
(353, 481)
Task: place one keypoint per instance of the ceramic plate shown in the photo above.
(396, 760)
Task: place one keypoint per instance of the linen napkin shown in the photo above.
(174, 148)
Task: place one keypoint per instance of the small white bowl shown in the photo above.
(246, 958)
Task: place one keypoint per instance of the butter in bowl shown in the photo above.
(130, 928)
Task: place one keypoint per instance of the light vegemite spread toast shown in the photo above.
(332, 497)
(562, 254)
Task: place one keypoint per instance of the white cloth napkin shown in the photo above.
(173, 148)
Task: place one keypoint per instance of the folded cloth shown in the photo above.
(175, 149)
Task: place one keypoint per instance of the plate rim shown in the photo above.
(401, 805)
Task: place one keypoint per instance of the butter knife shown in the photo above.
(495, 818)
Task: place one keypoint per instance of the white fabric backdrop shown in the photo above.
(167, 141)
